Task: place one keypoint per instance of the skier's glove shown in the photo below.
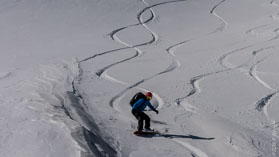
(157, 111)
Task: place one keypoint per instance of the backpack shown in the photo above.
(136, 97)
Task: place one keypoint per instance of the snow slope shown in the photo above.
(69, 68)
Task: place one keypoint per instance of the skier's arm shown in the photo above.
(137, 104)
(150, 106)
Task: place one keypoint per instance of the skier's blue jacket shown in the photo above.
(140, 105)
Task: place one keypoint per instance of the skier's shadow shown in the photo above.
(177, 136)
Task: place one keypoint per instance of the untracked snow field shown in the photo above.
(68, 69)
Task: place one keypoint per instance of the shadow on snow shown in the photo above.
(176, 136)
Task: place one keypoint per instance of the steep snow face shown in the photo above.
(68, 69)
(40, 41)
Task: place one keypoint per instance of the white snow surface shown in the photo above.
(68, 69)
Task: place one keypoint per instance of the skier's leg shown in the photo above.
(140, 123)
(147, 120)
(139, 118)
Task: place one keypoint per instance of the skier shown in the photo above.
(137, 111)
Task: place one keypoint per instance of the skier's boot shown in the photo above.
(149, 130)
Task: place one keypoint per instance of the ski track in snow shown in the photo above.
(253, 73)
(276, 31)
(256, 52)
(102, 53)
(154, 39)
(175, 64)
(114, 37)
(223, 24)
(4, 75)
(252, 30)
(100, 72)
(223, 59)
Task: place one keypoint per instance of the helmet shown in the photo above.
(148, 94)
